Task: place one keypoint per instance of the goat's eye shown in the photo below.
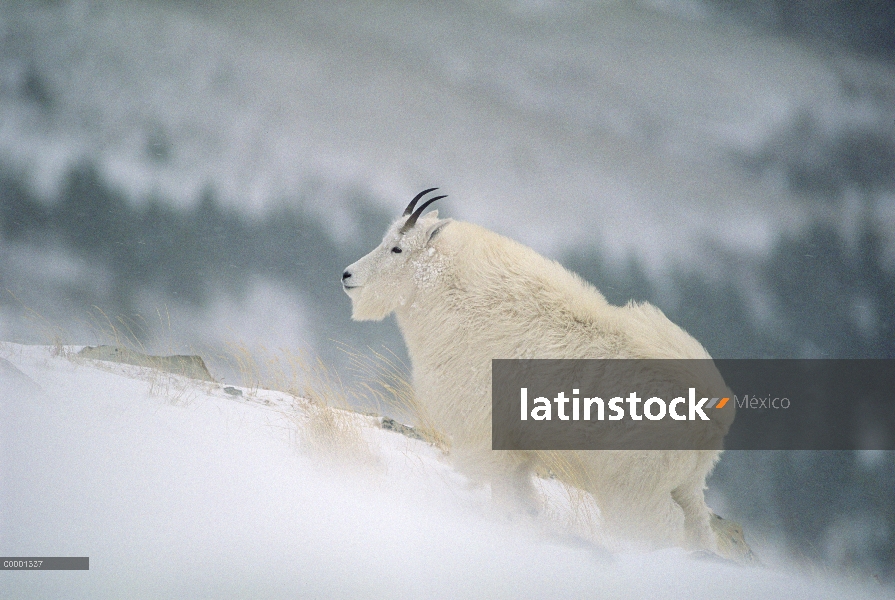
(397, 250)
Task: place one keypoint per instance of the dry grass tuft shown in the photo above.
(386, 389)
(326, 423)
(56, 336)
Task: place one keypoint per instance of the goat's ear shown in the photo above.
(435, 229)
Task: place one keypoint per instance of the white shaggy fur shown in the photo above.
(464, 295)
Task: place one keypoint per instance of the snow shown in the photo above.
(178, 488)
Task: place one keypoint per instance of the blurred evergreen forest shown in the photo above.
(820, 296)
(186, 255)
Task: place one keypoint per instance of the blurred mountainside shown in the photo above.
(816, 295)
(864, 26)
(691, 125)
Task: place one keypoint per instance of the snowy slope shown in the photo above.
(177, 488)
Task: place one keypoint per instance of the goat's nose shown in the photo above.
(346, 275)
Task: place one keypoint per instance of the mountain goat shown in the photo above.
(464, 295)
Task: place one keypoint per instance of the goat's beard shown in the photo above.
(373, 305)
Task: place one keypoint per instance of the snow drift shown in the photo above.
(178, 487)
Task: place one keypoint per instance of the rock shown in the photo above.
(392, 425)
(191, 366)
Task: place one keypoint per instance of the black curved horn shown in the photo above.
(413, 202)
(416, 214)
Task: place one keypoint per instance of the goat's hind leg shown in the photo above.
(698, 533)
(706, 531)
